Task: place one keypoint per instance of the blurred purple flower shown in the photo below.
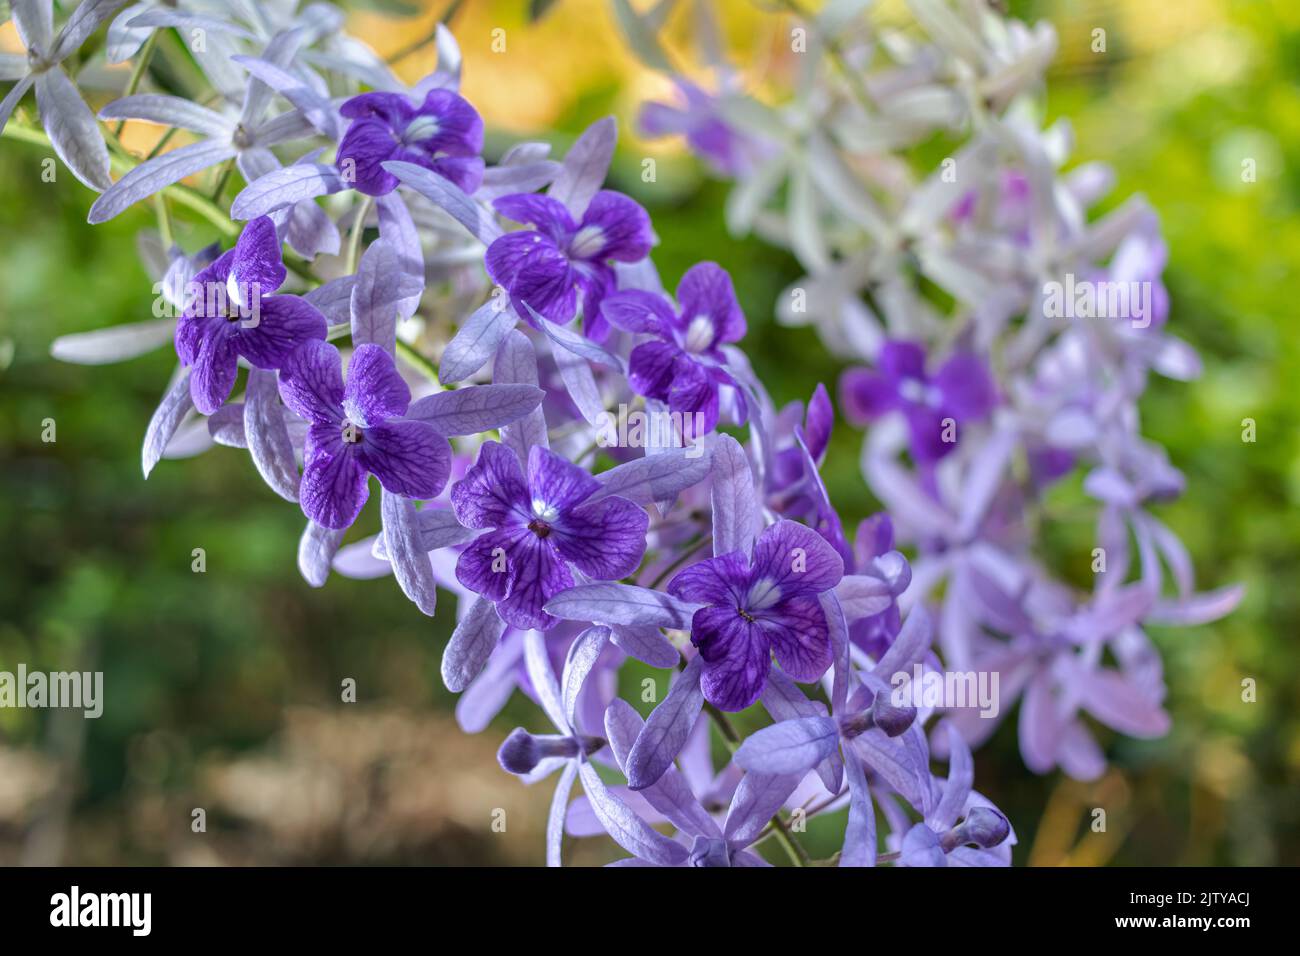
(876, 558)
(962, 390)
(708, 134)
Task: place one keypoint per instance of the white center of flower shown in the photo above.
(699, 334)
(543, 511)
(234, 301)
(420, 128)
(915, 390)
(763, 593)
(587, 242)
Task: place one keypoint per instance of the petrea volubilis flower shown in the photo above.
(876, 558)
(699, 118)
(683, 365)
(789, 463)
(960, 391)
(534, 756)
(71, 126)
(757, 608)
(550, 266)
(544, 527)
(356, 430)
(232, 314)
(444, 134)
(963, 828)
(554, 555)
(793, 487)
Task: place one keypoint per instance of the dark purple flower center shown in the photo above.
(745, 614)
(539, 527)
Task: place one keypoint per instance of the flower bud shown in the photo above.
(893, 720)
(710, 852)
(523, 751)
(983, 826)
(986, 827)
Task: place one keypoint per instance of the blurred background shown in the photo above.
(222, 688)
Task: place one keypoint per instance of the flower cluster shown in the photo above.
(721, 564)
(998, 339)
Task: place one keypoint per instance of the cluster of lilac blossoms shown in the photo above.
(321, 342)
(997, 339)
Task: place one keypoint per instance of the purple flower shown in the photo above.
(700, 840)
(794, 487)
(547, 267)
(983, 837)
(789, 464)
(707, 133)
(543, 527)
(1010, 208)
(961, 391)
(444, 134)
(877, 559)
(356, 429)
(231, 314)
(683, 365)
(769, 606)
(535, 756)
(1140, 260)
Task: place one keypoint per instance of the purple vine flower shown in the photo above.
(546, 558)
(444, 134)
(751, 806)
(793, 485)
(231, 314)
(751, 611)
(699, 119)
(544, 527)
(877, 559)
(983, 837)
(962, 390)
(789, 463)
(549, 266)
(683, 365)
(356, 430)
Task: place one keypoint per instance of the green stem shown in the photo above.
(163, 140)
(691, 548)
(138, 71)
(417, 361)
(425, 40)
(226, 169)
(798, 855)
(354, 240)
(164, 220)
